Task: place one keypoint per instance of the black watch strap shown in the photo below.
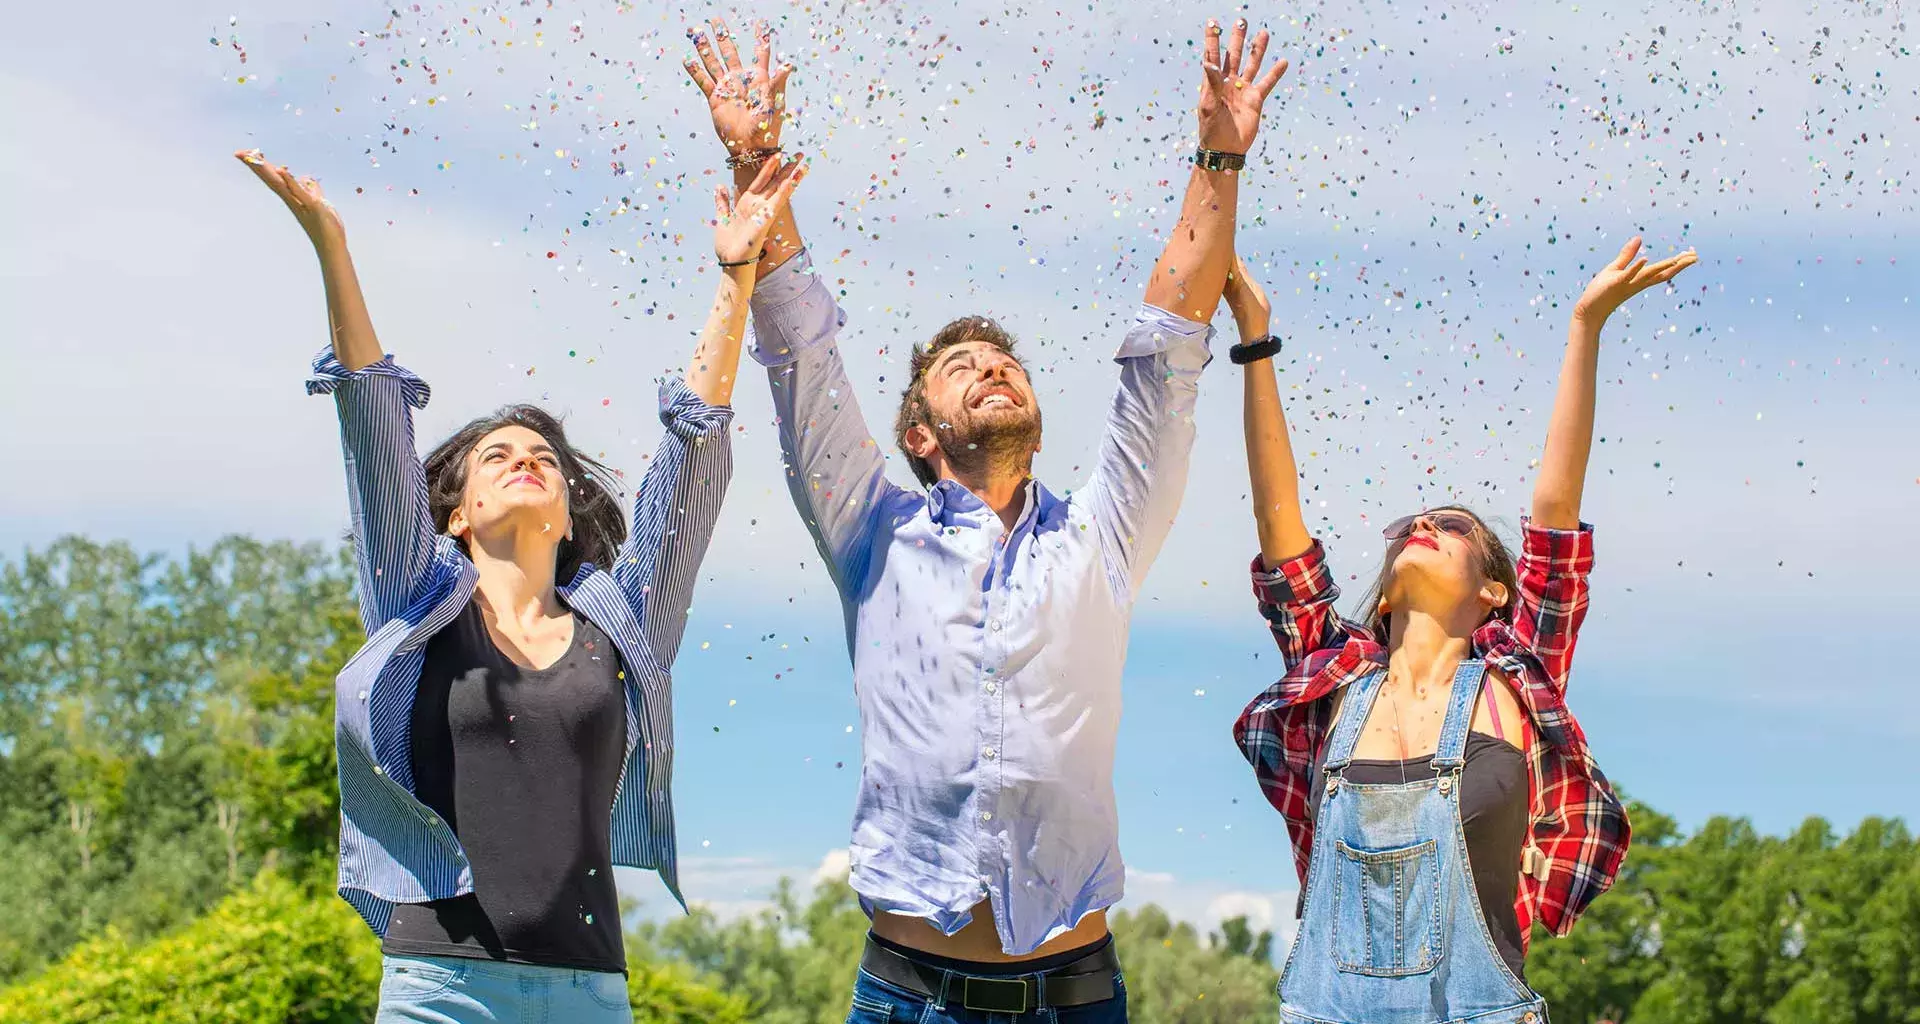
(1254, 351)
(1215, 160)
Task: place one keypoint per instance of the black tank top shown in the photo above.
(522, 764)
(1493, 816)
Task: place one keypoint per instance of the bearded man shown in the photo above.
(987, 616)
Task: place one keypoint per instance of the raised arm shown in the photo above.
(1563, 465)
(1192, 268)
(1270, 465)
(835, 471)
(386, 486)
(1141, 472)
(748, 102)
(678, 501)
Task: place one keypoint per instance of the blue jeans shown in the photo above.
(454, 990)
(876, 1002)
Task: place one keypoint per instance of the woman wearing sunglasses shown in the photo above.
(504, 736)
(1439, 794)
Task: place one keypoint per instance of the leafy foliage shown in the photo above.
(166, 752)
(270, 953)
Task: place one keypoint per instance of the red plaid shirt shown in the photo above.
(1577, 821)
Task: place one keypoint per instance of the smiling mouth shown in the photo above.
(997, 399)
(1423, 541)
(528, 478)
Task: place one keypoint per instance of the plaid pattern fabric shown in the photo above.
(1577, 821)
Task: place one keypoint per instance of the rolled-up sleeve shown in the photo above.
(1552, 602)
(393, 529)
(674, 512)
(1297, 599)
(1140, 475)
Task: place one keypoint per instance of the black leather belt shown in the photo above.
(1086, 980)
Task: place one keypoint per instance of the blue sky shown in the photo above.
(1433, 186)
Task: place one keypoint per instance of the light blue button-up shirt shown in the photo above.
(986, 661)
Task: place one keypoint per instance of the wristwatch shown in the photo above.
(1214, 160)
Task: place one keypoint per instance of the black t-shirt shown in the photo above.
(1493, 816)
(522, 764)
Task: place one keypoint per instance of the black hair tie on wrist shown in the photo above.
(1265, 347)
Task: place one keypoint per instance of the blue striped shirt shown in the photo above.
(986, 661)
(413, 581)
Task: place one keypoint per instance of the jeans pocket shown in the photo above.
(409, 979)
(869, 1011)
(606, 989)
(1386, 920)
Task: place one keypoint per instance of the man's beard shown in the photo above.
(1000, 443)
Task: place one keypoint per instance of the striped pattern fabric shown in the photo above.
(413, 581)
(1577, 823)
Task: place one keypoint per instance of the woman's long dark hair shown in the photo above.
(1496, 564)
(599, 525)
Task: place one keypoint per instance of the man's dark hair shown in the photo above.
(913, 401)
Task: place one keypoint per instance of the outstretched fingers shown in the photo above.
(1669, 268)
(709, 61)
(1210, 49)
(777, 88)
(1626, 253)
(729, 53)
(263, 170)
(763, 49)
(1236, 44)
(698, 72)
(1250, 69)
(767, 171)
(1272, 78)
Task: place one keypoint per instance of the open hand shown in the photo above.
(1248, 303)
(748, 101)
(302, 195)
(1233, 88)
(1626, 277)
(741, 222)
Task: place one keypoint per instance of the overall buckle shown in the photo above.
(996, 995)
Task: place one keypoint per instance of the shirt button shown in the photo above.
(994, 625)
(432, 820)
(378, 770)
(987, 753)
(986, 815)
(991, 687)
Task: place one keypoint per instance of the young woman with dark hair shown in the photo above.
(505, 735)
(1439, 794)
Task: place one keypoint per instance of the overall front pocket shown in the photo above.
(1386, 904)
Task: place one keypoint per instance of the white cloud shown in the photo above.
(834, 866)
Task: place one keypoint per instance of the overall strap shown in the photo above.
(1353, 717)
(1452, 752)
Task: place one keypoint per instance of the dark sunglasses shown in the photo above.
(1459, 524)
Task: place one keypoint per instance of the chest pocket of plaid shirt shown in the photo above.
(1386, 920)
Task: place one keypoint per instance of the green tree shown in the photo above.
(164, 730)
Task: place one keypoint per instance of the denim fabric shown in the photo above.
(876, 1002)
(1392, 932)
(453, 990)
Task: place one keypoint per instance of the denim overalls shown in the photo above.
(1392, 932)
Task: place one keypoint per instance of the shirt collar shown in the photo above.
(949, 503)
